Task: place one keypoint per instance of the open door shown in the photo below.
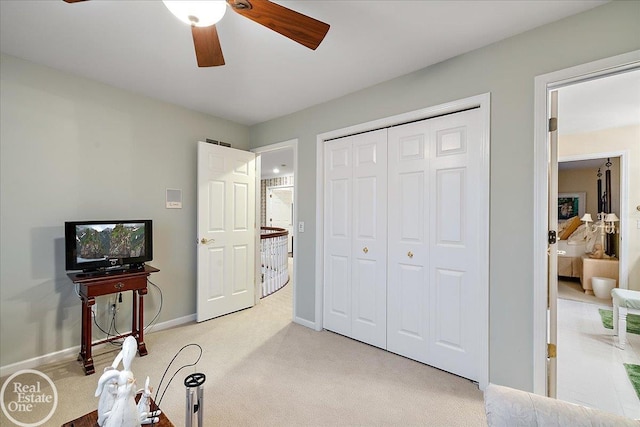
(280, 210)
(226, 230)
(552, 300)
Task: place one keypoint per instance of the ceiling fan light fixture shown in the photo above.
(198, 13)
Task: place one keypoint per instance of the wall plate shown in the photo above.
(174, 199)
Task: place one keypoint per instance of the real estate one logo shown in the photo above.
(29, 398)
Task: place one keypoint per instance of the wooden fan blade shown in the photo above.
(73, 1)
(207, 44)
(300, 28)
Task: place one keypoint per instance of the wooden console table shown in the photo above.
(93, 285)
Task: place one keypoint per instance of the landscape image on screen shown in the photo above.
(105, 241)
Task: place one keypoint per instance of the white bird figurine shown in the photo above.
(122, 410)
(147, 416)
(108, 396)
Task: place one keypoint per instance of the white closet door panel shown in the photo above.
(407, 331)
(411, 189)
(408, 245)
(369, 243)
(450, 186)
(337, 301)
(454, 244)
(339, 193)
(337, 236)
(448, 298)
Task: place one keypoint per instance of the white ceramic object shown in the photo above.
(602, 287)
(121, 411)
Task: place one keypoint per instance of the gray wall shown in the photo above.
(507, 70)
(74, 149)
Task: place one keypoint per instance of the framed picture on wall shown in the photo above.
(571, 204)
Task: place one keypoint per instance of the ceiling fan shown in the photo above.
(300, 28)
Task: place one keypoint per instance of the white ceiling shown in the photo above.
(604, 103)
(281, 159)
(598, 104)
(139, 46)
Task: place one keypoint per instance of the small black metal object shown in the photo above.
(195, 380)
(553, 237)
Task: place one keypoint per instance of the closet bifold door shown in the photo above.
(434, 248)
(408, 258)
(355, 233)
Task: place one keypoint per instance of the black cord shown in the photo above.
(159, 308)
(113, 322)
(175, 373)
(111, 325)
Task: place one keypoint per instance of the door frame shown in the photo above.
(289, 144)
(483, 102)
(543, 84)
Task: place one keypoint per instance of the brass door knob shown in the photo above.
(206, 241)
(410, 254)
(365, 249)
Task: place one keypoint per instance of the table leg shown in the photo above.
(85, 347)
(142, 347)
(615, 317)
(82, 328)
(622, 327)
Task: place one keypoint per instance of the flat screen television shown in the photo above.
(106, 245)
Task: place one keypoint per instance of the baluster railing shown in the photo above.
(274, 258)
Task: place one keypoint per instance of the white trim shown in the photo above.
(319, 317)
(543, 84)
(482, 101)
(62, 355)
(304, 322)
(292, 143)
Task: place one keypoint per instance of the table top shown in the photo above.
(88, 278)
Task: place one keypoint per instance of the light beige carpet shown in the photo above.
(264, 370)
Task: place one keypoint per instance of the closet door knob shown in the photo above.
(206, 241)
(410, 254)
(365, 249)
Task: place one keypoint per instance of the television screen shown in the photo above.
(94, 245)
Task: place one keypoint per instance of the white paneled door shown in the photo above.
(226, 230)
(355, 237)
(280, 210)
(403, 243)
(434, 242)
(408, 259)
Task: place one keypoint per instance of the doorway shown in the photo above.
(277, 177)
(544, 84)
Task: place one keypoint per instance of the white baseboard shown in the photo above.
(305, 322)
(171, 323)
(73, 351)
